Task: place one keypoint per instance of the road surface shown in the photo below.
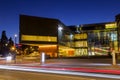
(23, 75)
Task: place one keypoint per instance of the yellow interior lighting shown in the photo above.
(81, 36)
(111, 25)
(38, 38)
(42, 46)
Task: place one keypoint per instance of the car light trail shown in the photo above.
(58, 72)
(81, 69)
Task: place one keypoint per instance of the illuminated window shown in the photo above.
(81, 36)
(111, 25)
(81, 52)
(38, 38)
(81, 44)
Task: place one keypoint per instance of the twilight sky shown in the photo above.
(70, 12)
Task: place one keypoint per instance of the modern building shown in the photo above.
(50, 35)
(96, 39)
(58, 40)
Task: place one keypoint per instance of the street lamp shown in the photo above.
(15, 37)
(60, 28)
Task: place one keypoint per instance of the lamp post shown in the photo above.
(15, 37)
(60, 28)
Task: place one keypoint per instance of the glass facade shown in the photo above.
(96, 40)
(101, 42)
(65, 42)
(118, 24)
(81, 44)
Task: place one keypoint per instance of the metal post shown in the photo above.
(113, 58)
(43, 58)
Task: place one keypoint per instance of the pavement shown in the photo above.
(103, 66)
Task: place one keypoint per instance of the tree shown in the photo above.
(10, 43)
(4, 39)
(4, 49)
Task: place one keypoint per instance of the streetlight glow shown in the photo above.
(15, 36)
(60, 28)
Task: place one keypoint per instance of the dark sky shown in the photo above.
(70, 12)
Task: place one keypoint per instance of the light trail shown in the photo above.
(58, 72)
(82, 64)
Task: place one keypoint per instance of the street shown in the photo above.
(20, 75)
(57, 69)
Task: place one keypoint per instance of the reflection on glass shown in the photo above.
(81, 52)
(101, 42)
